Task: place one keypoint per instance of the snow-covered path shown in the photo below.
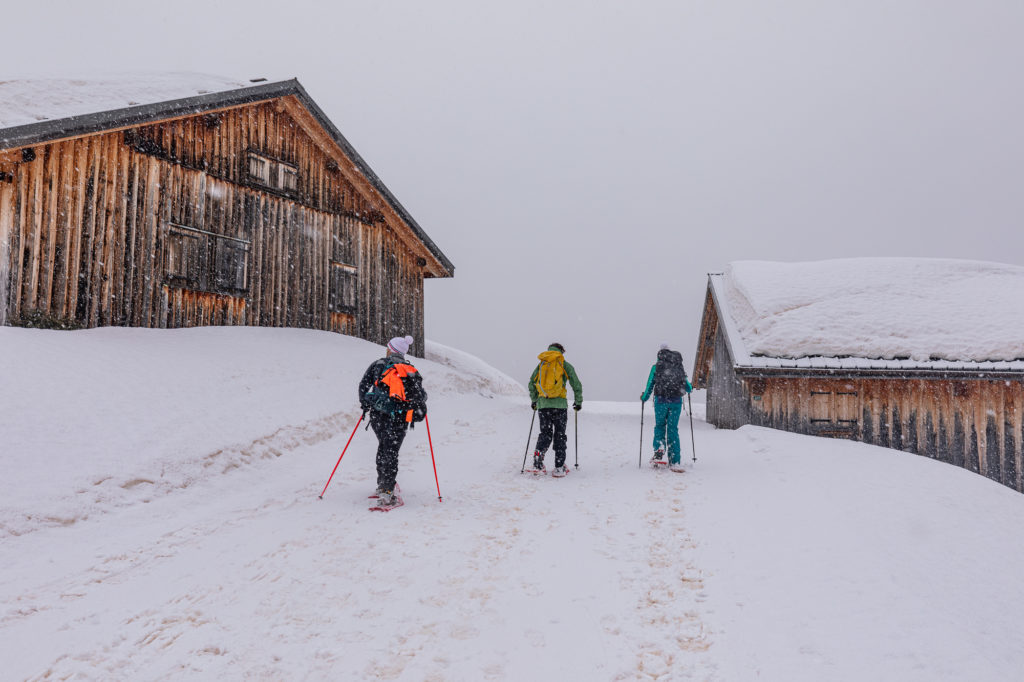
(511, 577)
(176, 533)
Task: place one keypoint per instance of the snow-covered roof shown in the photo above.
(39, 111)
(874, 313)
(23, 102)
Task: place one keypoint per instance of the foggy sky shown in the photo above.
(586, 164)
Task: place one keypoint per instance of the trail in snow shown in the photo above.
(164, 523)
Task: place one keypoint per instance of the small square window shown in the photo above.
(259, 168)
(287, 177)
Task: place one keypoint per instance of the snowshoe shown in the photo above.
(538, 465)
(559, 472)
(677, 468)
(387, 501)
(379, 490)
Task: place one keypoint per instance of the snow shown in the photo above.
(23, 102)
(159, 520)
(889, 313)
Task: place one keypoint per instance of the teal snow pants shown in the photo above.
(666, 427)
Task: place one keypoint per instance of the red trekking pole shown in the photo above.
(343, 453)
(427, 422)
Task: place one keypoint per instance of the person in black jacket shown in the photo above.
(668, 381)
(390, 414)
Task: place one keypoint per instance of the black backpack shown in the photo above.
(669, 375)
(400, 389)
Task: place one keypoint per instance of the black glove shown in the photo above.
(577, 407)
(533, 406)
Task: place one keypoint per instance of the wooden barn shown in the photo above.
(920, 355)
(183, 200)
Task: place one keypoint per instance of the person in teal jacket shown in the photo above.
(548, 396)
(668, 382)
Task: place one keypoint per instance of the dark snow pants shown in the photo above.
(390, 430)
(552, 427)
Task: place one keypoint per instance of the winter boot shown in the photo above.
(538, 461)
(659, 455)
(386, 498)
(559, 472)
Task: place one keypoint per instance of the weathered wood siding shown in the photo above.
(95, 226)
(972, 423)
(727, 406)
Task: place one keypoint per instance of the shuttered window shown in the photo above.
(833, 409)
(182, 256)
(272, 173)
(204, 261)
(344, 286)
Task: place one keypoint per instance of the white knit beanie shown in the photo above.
(663, 346)
(400, 344)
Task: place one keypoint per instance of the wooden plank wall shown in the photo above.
(6, 230)
(727, 405)
(88, 218)
(976, 424)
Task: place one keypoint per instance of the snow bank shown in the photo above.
(470, 374)
(30, 101)
(883, 308)
(114, 416)
(161, 519)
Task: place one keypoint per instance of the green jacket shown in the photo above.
(563, 403)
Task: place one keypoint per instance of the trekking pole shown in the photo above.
(527, 451)
(693, 444)
(342, 454)
(426, 420)
(640, 459)
(576, 430)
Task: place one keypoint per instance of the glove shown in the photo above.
(533, 406)
(643, 397)
(577, 407)
(689, 386)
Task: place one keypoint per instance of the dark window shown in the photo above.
(196, 259)
(231, 264)
(344, 286)
(183, 256)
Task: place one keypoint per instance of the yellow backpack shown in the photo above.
(550, 381)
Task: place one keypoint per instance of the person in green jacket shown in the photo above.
(548, 396)
(668, 382)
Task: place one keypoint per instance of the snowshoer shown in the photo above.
(548, 396)
(668, 381)
(391, 390)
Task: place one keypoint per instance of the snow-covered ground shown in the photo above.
(159, 520)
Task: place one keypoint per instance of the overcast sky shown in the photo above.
(586, 164)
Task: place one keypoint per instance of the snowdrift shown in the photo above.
(159, 518)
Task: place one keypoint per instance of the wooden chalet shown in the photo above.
(180, 200)
(967, 410)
